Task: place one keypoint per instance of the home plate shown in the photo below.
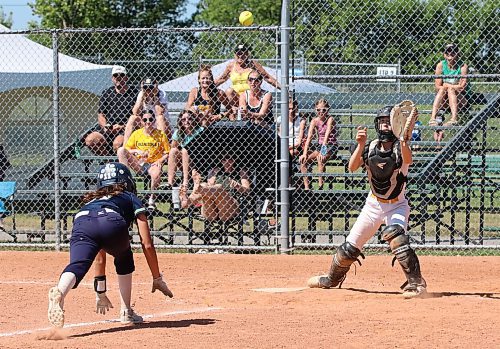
(279, 289)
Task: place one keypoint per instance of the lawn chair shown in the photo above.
(7, 190)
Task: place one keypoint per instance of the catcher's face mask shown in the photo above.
(384, 133)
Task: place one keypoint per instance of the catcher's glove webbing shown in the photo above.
(403, 118)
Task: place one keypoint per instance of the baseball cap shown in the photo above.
(148, 83)
(241, 48)
(451, 48)
(118, 69)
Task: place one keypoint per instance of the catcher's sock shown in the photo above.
(125, 285)
(128, 316)
(55, 312)
(66, 282)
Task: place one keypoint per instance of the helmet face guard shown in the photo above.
(386, 135)
(115, 173)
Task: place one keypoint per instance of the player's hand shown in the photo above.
(361, 135)
(102, 303)
(159, 284)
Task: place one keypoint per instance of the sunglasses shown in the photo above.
(185, 119)
(150, 119)
(254, 79)
(121, 75)
(321, 110)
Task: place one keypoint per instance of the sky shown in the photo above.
(21, 12)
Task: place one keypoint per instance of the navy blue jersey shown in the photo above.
(126, 204)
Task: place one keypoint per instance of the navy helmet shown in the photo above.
(115, 173)
(384, 136)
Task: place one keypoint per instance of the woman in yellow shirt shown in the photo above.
(238, 71)
(145, 152)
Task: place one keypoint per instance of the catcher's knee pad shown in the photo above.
(392, 231)
(346, 255)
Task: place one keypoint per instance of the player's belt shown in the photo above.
(100, 212)
(385, 201)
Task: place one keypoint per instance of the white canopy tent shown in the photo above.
(25, 63)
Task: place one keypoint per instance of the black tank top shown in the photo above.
(204, 104)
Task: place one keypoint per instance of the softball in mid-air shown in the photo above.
(246, 18)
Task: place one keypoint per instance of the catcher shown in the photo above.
(387, 160)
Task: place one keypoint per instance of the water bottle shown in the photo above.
(176, 198)
(240, 110)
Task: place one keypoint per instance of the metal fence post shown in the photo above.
(55, 113)
(285, 134)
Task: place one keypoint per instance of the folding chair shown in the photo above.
(7, 190)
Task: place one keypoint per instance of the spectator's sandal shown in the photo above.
(451, 123)
(433, 122)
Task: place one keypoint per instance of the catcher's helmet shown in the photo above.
(384, 136)
(114, 173)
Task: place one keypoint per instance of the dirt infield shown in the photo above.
(216, 304)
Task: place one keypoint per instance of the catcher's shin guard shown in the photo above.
(407, 258)
(346, 255)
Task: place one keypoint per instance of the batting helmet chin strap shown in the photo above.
(400, 246)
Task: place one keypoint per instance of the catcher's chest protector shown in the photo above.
(386, 181)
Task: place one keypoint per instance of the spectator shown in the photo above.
(207, 98)
(296, 128)
(439, 134)
(145, 152)
(150, 98)
(452, 91)
(220, 193)
(187, 130)
(324, 125)
(115, 107)
(4, 163)
(239, 70)
(256, 103)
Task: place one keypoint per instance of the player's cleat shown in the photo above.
(320, 281)
(55, 313)
(414, 291)
(128, 316)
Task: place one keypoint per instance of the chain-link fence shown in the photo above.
(187, 111)
(373, 54)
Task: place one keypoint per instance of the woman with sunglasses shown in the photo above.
(324, 126)
(238, 71)
(188, 128)
(256, 103)
(150, 98)
(146, 151)
(207, 99)
(453, 90)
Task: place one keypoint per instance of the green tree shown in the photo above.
(5, 20)
(108, 13)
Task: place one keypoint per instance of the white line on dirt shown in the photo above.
(83, 324)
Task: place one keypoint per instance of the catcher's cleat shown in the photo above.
(55, 313)
(320, 281)
(414, 291)
(128, 316)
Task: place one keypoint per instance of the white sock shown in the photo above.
(66, 283)
(125, 285)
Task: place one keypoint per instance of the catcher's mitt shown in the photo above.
(403, 118)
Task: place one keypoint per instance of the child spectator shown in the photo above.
(324, 126)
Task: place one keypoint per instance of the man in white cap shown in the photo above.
(115, 107)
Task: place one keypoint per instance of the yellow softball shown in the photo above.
(246, 18)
